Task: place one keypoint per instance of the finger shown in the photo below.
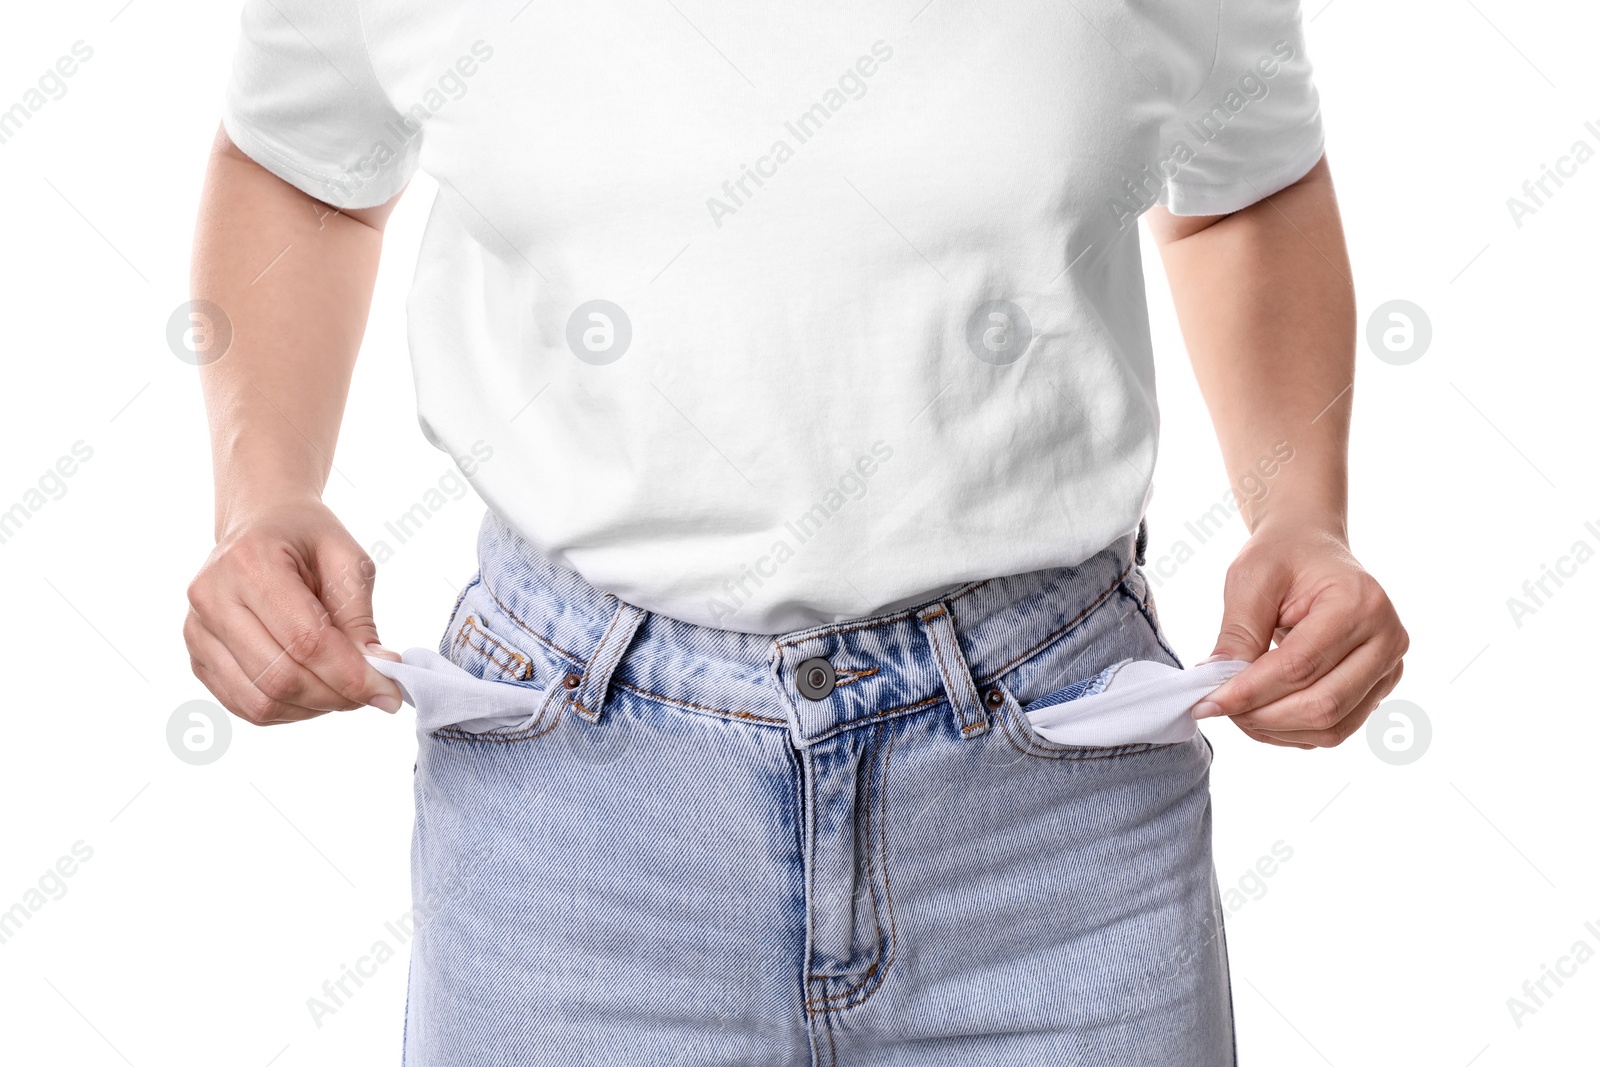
(219, 672)
(265, 664)
(244, 704)
(1286, 740)
(1326, 702)
(346, 581)
(1249, 615)
(1347, 726)
(297, 620)
(1268, 739)
(1328, 634)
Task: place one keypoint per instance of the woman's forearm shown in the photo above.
(295, 279)
(1268, 314)
(1265, 303)
(281, 613)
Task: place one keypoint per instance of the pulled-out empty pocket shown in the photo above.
(446, 696)
(1129, 703)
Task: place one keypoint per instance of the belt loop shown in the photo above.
(589, 696)
(958, 685)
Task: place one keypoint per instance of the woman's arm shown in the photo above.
(1267, 309)
(281, 613)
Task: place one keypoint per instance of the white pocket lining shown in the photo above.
(1144, 702)
(447, 696)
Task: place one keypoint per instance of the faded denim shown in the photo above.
(676, 858)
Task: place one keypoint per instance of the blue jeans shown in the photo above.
(840, 846)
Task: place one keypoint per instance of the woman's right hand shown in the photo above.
(280, 617)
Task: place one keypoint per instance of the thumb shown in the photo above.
(346, 591)
(1249, 617)
(1251, 599)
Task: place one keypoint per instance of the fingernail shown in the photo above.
(375, 649)
(386, 703)
(1212, 659)
(1206, 709)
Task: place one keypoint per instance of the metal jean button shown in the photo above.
(815, 678)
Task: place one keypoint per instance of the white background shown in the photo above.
(217, 899)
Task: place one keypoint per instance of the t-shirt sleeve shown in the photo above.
(304, 102)
(1254, 126)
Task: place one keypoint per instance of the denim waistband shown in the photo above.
(945, 650)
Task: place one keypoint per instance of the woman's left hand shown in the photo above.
(1340, 641)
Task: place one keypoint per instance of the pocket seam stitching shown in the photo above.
(1013, 721)
(520, 673)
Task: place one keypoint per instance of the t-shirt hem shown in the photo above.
(331, 190)
(1195, 199)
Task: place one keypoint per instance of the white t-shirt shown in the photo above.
(774, 315)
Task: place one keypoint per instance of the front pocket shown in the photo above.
(478, 651)
(451, 701)
(1134, 702)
